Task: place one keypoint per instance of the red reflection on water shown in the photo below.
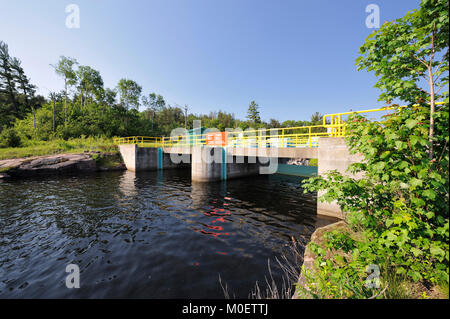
(218, 212)
(215, 212)
(220, 219)
(221, 253)
(210, 233)
(214, 227)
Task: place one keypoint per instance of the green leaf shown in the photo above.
(429, 193)
(416, 252)
(410, 123)
(437, 252)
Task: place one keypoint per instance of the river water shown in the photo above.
(147, 235)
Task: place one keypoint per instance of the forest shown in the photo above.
(86, 108)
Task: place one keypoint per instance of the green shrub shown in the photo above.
(400, 205)
(9, 138)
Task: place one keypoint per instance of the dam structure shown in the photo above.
(217, 156)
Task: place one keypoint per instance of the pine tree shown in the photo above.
(25, 86)
(7, 84)
(253, 113)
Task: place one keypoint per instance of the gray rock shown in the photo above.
(53, 164)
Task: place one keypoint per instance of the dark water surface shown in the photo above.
(146, 235)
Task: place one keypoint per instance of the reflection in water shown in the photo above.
(127, 185)
(215, 213)
(152, 234)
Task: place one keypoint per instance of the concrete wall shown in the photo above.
(239, 167)
(333, 154)
(207, 165)
(128, 153)
(167, 162)
(147, 158)
(281, 152)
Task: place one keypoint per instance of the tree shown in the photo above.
(109, 97)
(27, 88)
(273, 123)
(64, 69)
(316, 118)
(90, 83)
(130, 93)
(7, 83)
(253, 113)
(400, 202)
(410, 58)
(53, 97)
(153, 104)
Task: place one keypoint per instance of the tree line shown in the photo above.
(85, 107)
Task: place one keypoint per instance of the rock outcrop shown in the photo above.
(58, 164)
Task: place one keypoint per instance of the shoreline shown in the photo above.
(60, 164)
(88, 162)
(309, 258)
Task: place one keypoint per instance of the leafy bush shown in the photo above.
(400, 204)
(9, 138)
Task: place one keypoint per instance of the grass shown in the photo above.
(58, 146)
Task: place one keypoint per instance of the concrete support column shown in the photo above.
(139, 158)
(211, 164)
(206, 163)
(333, 154)
(128, 153)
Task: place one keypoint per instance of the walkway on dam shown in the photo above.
(286, 139)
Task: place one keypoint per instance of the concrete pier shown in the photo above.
(206, 164)
(210, 164)
(333, 154)
(148, 158)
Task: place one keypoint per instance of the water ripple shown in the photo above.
(146, 235)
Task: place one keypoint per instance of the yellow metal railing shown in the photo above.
(146, 141)
(337, 118)
(301, 136)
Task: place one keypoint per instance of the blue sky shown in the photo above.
(292, 57)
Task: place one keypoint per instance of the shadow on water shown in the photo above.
(147, 234)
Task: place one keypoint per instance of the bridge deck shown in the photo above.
(280, 152)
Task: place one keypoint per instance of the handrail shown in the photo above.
(386, 108)
(283, 138)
